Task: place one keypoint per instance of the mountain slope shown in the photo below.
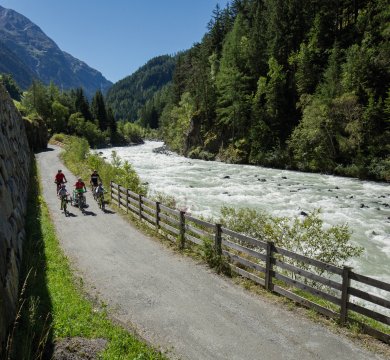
(43, 57)
(11, 64)
(127, 96)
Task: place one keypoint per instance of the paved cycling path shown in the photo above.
(174, 303)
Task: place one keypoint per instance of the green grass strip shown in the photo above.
(53, 305)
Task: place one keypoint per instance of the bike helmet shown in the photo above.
(59, 170)
(80, 179)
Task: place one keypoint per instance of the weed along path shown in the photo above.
(175, 304)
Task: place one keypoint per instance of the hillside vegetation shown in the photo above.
(71, 113)
(285, 83)
(129, 95)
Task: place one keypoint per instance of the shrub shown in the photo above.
(306, 236)
(81, 161)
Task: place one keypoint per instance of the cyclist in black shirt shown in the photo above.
(95, 179)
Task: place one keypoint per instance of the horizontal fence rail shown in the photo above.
(330, 290)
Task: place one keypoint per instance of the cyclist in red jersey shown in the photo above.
(80, 186)
(60, 179)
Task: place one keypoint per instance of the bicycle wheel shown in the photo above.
(80, 202)
(65, 206)
(101, 202)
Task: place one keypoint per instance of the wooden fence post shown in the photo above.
(140, 206)
(269, 266)
(119, 196)
(111, 190)
(182, 230)
(127, 201)
(345, 295)
(218, 240)
(157, 215)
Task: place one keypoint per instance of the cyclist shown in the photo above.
(59, 179)
(78, 191)
(80, 186)
(95, 179)
(99, 191)
(62, 194)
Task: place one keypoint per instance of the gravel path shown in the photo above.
(175, 304)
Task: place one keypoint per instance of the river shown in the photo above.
(203, 187)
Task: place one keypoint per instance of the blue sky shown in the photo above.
(116, 37)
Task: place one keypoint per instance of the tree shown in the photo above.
(11, 86)
(233, 83)
(81, 104)
(330, 88)
(312, 141)
(176, 125)
(37, 100)
(98, 110)
(86, 129)
(275, 100)
(59, 118)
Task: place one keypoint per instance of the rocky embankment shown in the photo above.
(37, 133)
(15, 158)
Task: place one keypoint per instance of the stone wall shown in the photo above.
(37, 133)
(15, 157)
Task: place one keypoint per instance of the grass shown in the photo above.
(52, 306)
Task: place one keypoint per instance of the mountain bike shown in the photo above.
(79, 200)
(58, 184)
(100, 200)
(64, 204)
(93, 189)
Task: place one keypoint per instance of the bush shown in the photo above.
(306, 236)
(81, 162)
(198, 153)
(380, 169)
(215, 261)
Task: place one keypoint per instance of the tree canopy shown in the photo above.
(288, 83)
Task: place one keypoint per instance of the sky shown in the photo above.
(116, 37)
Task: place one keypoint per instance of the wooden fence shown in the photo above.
(304, 280)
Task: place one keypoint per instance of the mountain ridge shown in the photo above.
(43, 57)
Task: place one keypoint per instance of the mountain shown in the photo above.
(128, 96)
(11, 64)
(27, 53)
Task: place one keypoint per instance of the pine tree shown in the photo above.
(233, 83)
(98, 110)
(81, 104)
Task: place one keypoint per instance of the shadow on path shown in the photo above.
(44, 150)
(108, 211)
(89, 213)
